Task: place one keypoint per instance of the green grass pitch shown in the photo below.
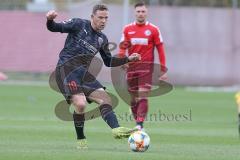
(30, 130)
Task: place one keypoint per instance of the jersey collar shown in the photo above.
(146, 23)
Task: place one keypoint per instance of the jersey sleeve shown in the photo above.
(124, 44)
(68, 26)
(162, 56)
(108, 59)
(158, 41)
(157, 36)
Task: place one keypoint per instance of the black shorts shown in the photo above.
(79, 80)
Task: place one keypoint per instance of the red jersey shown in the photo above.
(141, 39)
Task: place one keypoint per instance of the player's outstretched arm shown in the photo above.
(63, 27)
(134, 57)
(51, 25)
(51, 15)
(111, 61)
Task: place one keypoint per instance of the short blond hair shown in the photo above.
(99, 7)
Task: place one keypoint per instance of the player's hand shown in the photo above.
(51, 15)
(163, 77)
(134, 57)
(125, 67)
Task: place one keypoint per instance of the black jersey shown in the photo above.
(83, 40)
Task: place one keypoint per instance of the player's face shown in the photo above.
(141, 14)
(99, 20)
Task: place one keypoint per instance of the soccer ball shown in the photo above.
(139, 141)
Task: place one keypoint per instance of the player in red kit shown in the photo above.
(141, 37)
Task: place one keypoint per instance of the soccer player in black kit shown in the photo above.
(83, 42)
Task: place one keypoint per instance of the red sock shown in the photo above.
(142, 110)
(134, 108)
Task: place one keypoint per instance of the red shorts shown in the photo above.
(139, 75)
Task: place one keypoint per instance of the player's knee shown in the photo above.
(80, 106)
(107, 100)
(79, 103)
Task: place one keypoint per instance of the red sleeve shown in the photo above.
(124, 44)
(157, 36)
(162, 57)
(158, 41)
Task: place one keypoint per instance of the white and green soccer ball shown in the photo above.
(139, 141)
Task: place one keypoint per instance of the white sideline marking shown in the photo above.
(24, 83)
(214, 89)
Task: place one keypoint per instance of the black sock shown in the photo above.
(109, 116)
(79, 125)
(140, 124)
